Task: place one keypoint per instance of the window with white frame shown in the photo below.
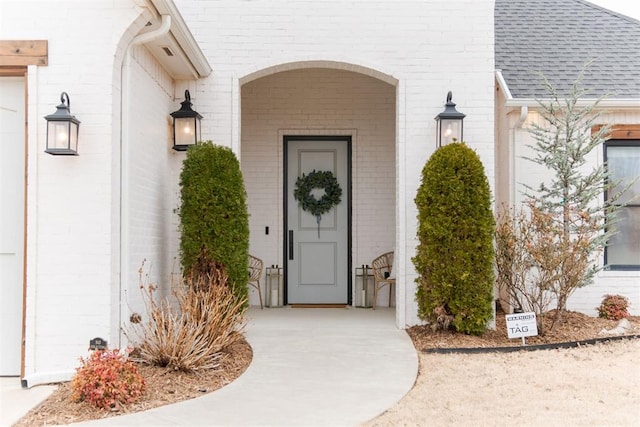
(623, 161)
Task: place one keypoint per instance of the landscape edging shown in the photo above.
(552, 346)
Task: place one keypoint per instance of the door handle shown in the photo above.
(290, 245)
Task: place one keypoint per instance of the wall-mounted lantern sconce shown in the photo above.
(449, 123)
(186, 125)
(62, 129)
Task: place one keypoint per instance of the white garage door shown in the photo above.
(12, 146)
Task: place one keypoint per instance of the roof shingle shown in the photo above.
(557, 38)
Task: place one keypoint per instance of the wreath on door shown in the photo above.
(317, 207)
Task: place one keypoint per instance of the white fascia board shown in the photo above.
(183, 37)
(606, 103)
(533, 103)
(502, 83)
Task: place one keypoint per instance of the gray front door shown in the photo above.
(317, 268)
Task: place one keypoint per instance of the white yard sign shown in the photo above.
(521, 325)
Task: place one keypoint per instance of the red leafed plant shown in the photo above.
(107, 379)
(614, 307)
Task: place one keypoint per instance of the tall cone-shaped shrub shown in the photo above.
(214, 221)
(454, 258)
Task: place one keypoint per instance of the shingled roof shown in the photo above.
(557, 38)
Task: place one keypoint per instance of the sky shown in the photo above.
(626, 7)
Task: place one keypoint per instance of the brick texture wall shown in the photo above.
(151, 176)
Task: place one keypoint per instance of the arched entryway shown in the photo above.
(318, 106)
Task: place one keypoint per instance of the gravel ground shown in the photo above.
(597, 385)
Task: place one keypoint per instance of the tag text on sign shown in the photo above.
(521, 325)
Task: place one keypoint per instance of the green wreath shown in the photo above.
(320, 179)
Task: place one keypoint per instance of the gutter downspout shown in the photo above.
(524, 112)
(125, 114)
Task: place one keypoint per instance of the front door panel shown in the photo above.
(317, 253)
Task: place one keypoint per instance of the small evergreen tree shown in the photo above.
(454, 257)
(214, 220)
(573, 195)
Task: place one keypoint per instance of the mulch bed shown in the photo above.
(164, 386)
(573, 327)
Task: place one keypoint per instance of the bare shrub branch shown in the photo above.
(537, 263)
(521, 258)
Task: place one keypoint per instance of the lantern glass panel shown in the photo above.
(58, 135)
(62, 135)
(450, 130)
(185, 129)
(73, 141)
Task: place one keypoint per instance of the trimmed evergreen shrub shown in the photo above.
(454, 258)
(214, 220)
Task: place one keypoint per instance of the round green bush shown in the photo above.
(454, 257)
(214, 220)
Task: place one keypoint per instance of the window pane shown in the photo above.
(624, 166)
(624, 246)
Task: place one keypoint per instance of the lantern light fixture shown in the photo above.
(62, 129)
(449, 124)
(186, 125)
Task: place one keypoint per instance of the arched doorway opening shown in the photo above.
(316, 106)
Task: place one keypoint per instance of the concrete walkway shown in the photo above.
(311, 367)
(15, 401)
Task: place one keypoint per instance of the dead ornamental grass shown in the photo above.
(189, 331)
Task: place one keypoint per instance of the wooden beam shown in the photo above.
(24, 52)
(621, 131)
(625, 132)
(13, 71)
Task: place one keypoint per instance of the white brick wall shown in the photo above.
(149, 181)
